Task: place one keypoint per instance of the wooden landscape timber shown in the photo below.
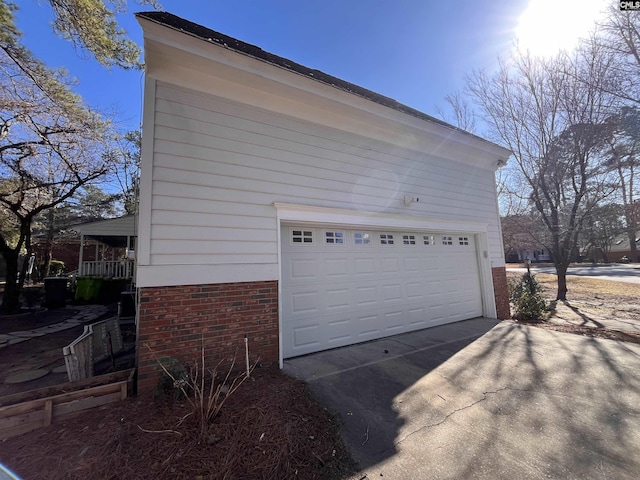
(27, 411)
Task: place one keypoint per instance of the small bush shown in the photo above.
(57, 268)
(526, 297)
(624, 259)
(172, 379)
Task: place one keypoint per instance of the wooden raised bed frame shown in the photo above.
(19, 415)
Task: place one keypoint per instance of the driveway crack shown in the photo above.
(485, 395)
(450, 414)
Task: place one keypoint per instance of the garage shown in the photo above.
(345, 285)
(291, 211)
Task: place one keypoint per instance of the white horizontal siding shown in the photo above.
(302, 139)
(242, 147)
(193, 156)
(220, 165)
(162, 217)
(203, 247)
(212, 233)
(216, 259)
(242, 166)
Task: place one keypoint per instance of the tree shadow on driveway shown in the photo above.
(518, 402)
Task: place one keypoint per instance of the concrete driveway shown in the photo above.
(486, 400)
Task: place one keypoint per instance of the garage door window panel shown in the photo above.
(386, 239)
(428, 240)
(362, 238)
(408, 239)
(334, 238)
(302, 237)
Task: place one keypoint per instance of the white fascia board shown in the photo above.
(307, 214)
(255, 72)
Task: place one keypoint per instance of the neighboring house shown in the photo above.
(303, 212)
(65, 250)
(520, 236)
(621, 248)
(518, 255)
(94, 248)
(112, 251)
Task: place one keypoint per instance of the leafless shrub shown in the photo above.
(205, 389)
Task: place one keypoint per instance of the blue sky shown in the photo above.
(415, 51)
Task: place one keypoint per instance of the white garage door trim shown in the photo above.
(291, 213)
(294, 213)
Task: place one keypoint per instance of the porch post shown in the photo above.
(80, 270)
(127, 263)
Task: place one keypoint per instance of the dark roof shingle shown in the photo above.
(177, 23)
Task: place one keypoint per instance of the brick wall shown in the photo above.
(501, 292)
(175, 320)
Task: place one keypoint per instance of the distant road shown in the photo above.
(614, 272)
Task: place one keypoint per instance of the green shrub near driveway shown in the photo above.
(526, 297)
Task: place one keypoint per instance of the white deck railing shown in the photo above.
(108, 269)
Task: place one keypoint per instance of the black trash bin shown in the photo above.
(55, 292)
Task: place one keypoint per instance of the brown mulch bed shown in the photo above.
(592, 332)
(269, 429)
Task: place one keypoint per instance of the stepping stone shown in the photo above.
(26, 376)
(60, 369)
(23, 334)
(58, 328)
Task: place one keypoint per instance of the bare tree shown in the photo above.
(464, 116)
(616, 43)
(521, 232)
(50, 146)
(618, 35)
(556, 128)
(127, 155)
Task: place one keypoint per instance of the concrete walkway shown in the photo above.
(85, 314)
(484, 400)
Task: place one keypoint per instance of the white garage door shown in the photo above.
(344, 286)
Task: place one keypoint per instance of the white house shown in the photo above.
(302, 212)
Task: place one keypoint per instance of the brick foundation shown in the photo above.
(174, 321)
(501, 292)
